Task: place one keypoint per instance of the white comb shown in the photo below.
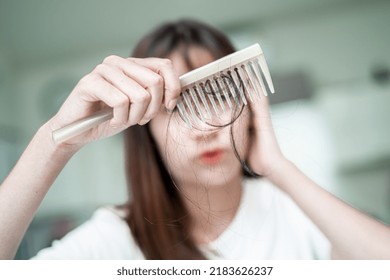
(232, 79)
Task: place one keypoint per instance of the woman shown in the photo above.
(188, 196)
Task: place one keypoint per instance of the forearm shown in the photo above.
(352, 234)
(23, 190)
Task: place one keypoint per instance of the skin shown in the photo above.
(136, 89)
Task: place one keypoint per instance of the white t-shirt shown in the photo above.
(267, 225)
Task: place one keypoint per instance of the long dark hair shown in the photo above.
(157, 216)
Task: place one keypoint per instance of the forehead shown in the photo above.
(198, 57)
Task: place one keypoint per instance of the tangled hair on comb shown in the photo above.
(157, 216)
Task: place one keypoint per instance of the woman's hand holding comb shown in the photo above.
(132, 89)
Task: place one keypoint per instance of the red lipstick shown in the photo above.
(211, 157)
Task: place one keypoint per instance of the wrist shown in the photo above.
(280, 172)
(60, 151)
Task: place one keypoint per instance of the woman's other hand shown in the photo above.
(265, 156)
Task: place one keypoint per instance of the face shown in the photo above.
(200, 156)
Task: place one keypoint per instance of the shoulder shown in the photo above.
(104, 236)
(286, 223)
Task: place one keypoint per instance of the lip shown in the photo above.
(211, 156)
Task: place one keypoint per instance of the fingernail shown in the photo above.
(172, 104)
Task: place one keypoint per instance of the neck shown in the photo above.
(212, 208)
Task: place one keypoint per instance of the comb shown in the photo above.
(206, 92)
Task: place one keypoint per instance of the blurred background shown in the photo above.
(330, 62)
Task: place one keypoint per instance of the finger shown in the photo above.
(261, 114)
(261, 107)
(164, 67)
(156, 98)
(151, 81)
(95, 88)
(138, 110)
(139, 113)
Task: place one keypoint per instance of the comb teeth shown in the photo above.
(231, 79)
(214, 89)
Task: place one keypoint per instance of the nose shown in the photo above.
(204, 131)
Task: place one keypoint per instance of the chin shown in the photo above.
(218, 177)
